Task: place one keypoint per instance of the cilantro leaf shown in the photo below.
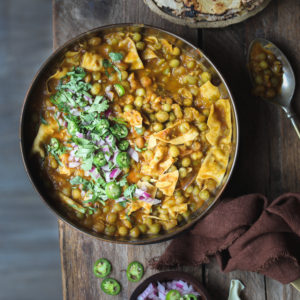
(114, 56)
(128, 193)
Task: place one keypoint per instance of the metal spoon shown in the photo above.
(284, 98)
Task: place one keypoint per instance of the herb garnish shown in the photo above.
(94, 135)
(56, 149)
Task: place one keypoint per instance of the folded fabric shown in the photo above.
(246, 233)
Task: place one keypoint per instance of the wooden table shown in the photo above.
(269, 157)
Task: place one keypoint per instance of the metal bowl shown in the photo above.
(30, 122)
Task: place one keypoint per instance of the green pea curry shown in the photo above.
(134, 136)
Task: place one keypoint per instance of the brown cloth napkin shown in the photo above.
(246, 233)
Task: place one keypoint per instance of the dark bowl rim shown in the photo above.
(171, 275)
(155, 239)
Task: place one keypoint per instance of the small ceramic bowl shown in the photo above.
(169, 276)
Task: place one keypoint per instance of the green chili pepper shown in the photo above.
(119, 89)
(99, 159)
(113, 190)
(102, 268)
(190, 297)
(173, 295)
(101, 125)
(135, 271)
(123, 160)
(54, 143)
(123, 145)
(110, 286)
(119, 130)
(72, 127)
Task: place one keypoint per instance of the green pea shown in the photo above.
(166, 107)
(138, 102)
(263, 64)
(162, 116)
(204, 195)
(140, 45)
(174, 63)
(158, 127)
(191, 79)
(128, 107)
(140, 92)
(137, 37)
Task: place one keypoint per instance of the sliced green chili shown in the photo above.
(123, 145)
(119, 130)
(102, 268)
(173, 295)
(99, 159)
(110, 286)
(135, 271)
(123, 160)
(113, 190)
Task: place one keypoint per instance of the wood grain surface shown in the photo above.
(269, 157)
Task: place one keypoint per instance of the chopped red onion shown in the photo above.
(51, 108)
(108, 113)
(108, 88)
(133, 154)
(147, 292)
(121, 199)
(87, 98)
(107, 177)
(105, 168)
(75, 112)
(115, 173)
(110, 95)
(74, 164)
(80, 135)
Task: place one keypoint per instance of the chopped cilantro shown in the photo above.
(115, 56)
(56, 149)
(128, 193)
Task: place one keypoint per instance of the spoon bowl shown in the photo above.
(285, 96)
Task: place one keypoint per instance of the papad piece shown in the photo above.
(157, 165)
(149, 54)
(219, 123)
(43, 132)
(147, 187)
(138, 204)
(214, 165)
(167, 182)
(92, 61)
(166, 134)
(132, 56)
(152, 142)
(134, 118)
(209, 92)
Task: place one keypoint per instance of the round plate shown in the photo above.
(169, 276)
(29, 128)
(203, 22)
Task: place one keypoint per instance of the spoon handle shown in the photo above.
(292, 117)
